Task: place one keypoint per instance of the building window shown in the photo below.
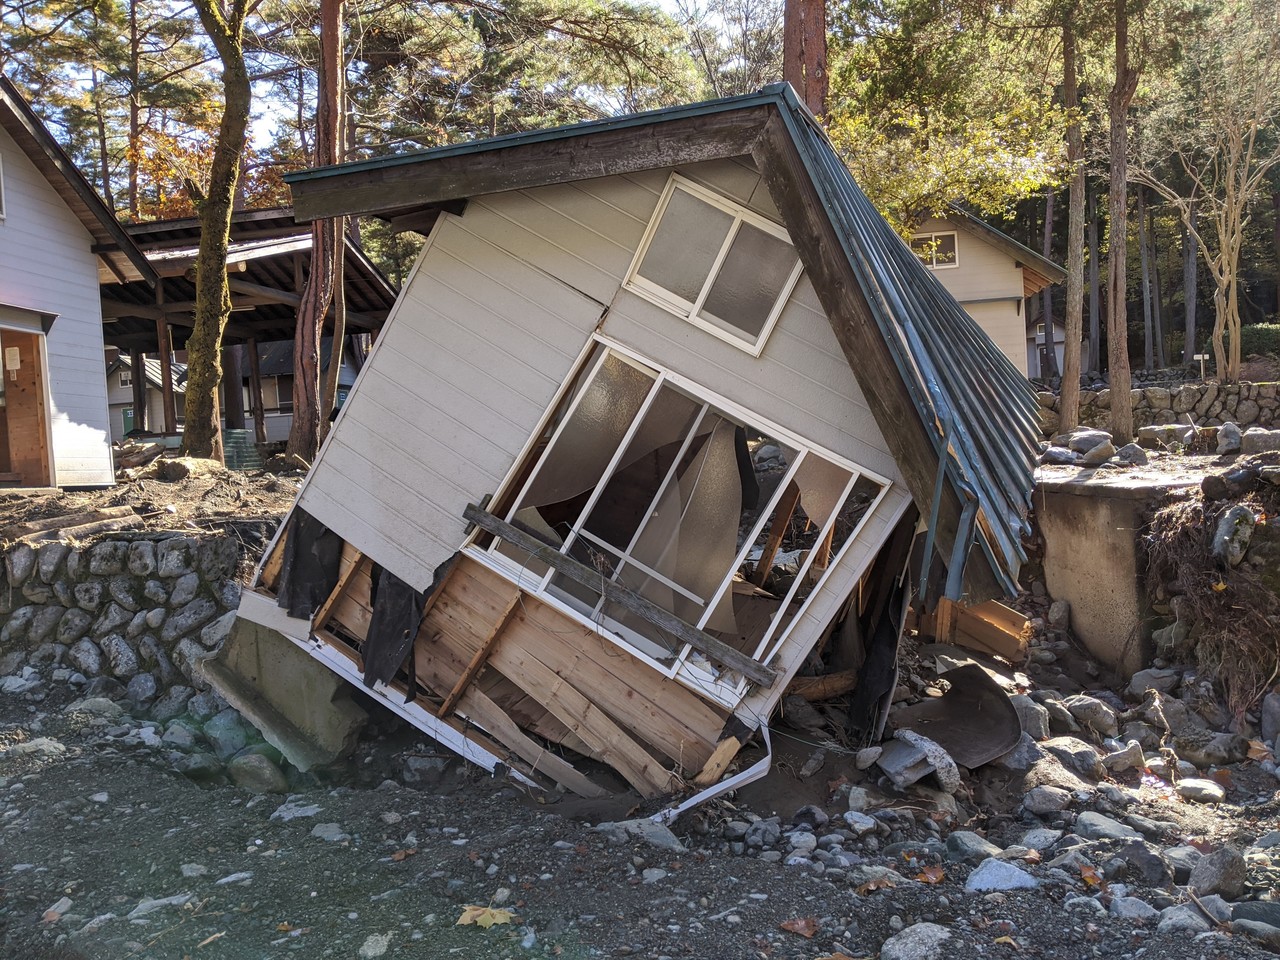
(716, 264)
(703, 510)
(126, 378)
(935, 250)
(1040, 331)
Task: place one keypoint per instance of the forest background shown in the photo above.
(1143, 132)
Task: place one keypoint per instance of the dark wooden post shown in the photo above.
(232, 388)
(164, 346)
(255, 393)
(138, 372)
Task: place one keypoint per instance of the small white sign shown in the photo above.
(12, 361)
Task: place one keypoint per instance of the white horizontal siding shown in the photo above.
(46, 265)
(471, 357)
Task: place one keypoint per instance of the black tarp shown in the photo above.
(397, 615)
(310, 567)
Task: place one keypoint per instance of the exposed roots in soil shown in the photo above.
(1237, 617)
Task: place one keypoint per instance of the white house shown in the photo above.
(122, 398)
(990, 274)
(637, 361)
(58, 241)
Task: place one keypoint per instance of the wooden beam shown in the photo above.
(781, 521)
(115, 309)
(378, 186)
(584, 718)
(165, 350)
(272, 295)
(717, 650)
(339, 590)
(714, 768)
(422, 219)
(910, 439)
(138, 374)
(481, 656)
(255, 392)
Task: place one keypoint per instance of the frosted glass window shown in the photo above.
(754, 275)
(685, 245)
(716, 264)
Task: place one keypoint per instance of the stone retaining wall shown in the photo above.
(136, 612)
(1207, 404)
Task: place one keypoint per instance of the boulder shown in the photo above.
(85, 656)
(965, 846)
(1046, 800)
(1097, 826)
(1229, 438)
(1093, 713)
(1077, 756)
(999, 875)
(122, 661)
(1201, 791)
(920, 941)
(1258, 440)
(1034, 717)
(1222, 872)
(257, 774)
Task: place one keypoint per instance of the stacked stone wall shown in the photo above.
(1205, 405)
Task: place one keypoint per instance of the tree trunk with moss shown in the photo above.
(202, 434)
(1126, 84)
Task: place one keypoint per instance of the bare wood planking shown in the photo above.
(659, 710)
(478, 659)
(529, 714)
(717, 650)
(714, 768)
(271, 569)
(587, 720)
(781, 521)
(352, 561)
(483, 711)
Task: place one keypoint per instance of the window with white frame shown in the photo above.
(716, 264)
(126, 377)
(935, 250)
(703, 510)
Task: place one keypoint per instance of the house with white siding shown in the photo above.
(663, 404)
(991, 275)
(122, 397)
(58, 242)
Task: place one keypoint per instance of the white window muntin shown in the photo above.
(932, 239)
(690, 310)
(679, 667)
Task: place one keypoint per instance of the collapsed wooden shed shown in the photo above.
(663, 406)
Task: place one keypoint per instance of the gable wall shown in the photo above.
(493, 320)
(984, 272)
(45, 264)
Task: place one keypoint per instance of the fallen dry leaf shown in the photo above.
(1223, 779)
(871, 886)
(1091, 876)
(1032, 857)
(1219, 586)
(1204, 846)
(1007, 942)
(484, 917)
(401, 855)
(931, 874)
(1260, 751)
(805, 926)
(285, 927)
(836, 784)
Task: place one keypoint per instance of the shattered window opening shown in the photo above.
(716, 264)
(675, 498)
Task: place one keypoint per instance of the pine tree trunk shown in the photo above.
(1157, 311)
(1275, 244)
(1190, 288)
(1118, 101)
(1147, 338)
(202, 435)
(804, 51)
(1069, 404)
(1095, 291)
(1046, 295)
(326, 253)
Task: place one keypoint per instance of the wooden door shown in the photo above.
(26, 418)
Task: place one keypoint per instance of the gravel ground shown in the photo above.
(364, 867)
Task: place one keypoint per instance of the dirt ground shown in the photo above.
(112, 828)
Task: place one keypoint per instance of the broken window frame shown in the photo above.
(723, 686)
(690, 310)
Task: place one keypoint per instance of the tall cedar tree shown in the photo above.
(1126, 84)
(804, 51)
(1069, 407)
(326, 255)
(202, 434)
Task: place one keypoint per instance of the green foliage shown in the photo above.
(930, 108)
(1260, 339)
(736, 45)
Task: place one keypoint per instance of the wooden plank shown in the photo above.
(354, 561)
(478, 660)
(16, 531)
(781, 521)
(271, 569)
(481, 710)
(714, 768)
(379, 187)
(717, 650)
(658, 710)
(585, 719)
(908, 437)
